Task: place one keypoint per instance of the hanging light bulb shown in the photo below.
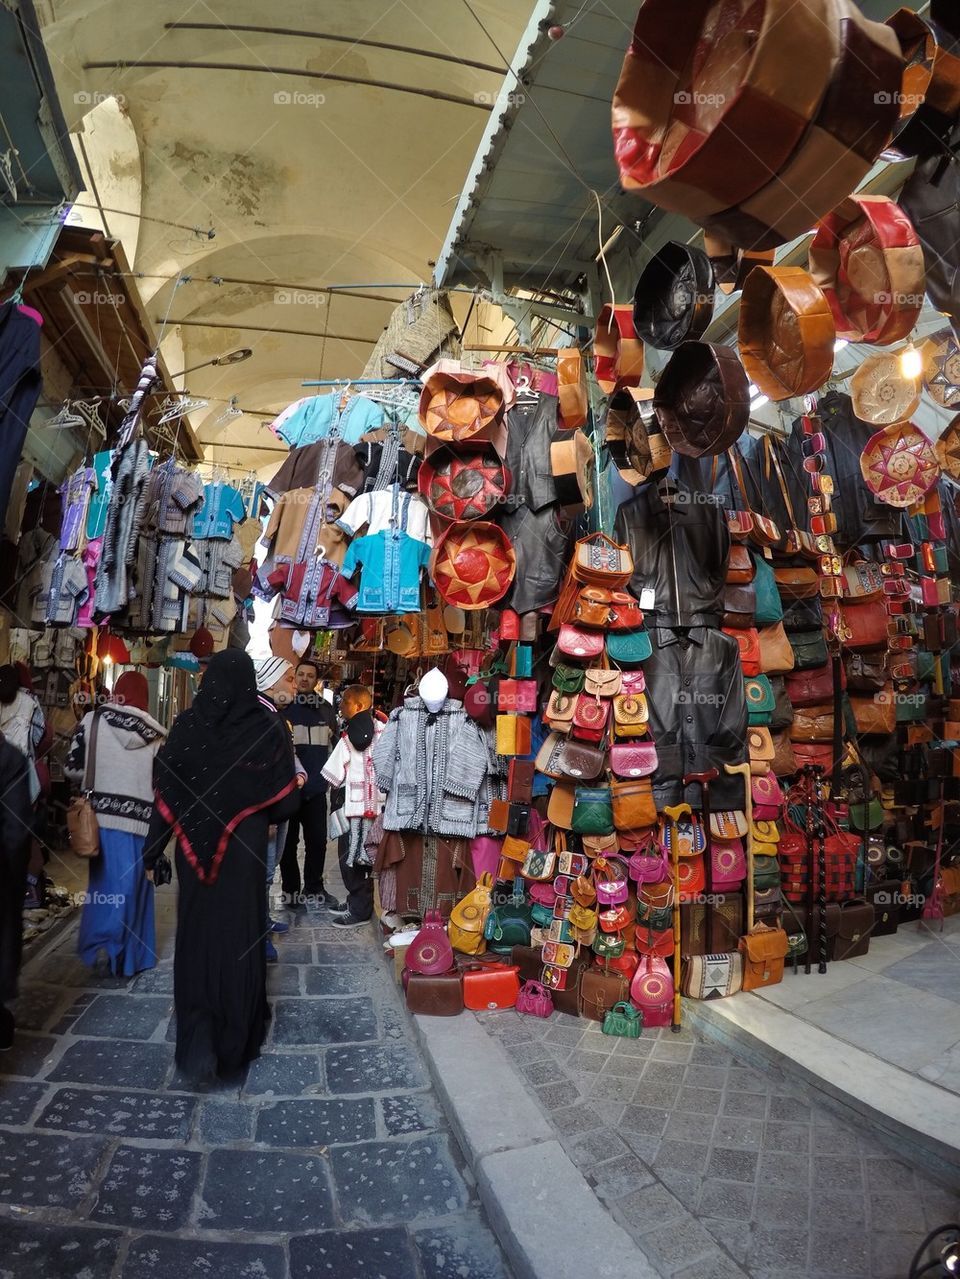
(911, 362)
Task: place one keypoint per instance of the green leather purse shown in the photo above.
(809, 649)
(760, 701)
(766, 872)
(609, 945)
(592, 811)
(568, 679)
(628, 647)
(623, 1020)
(769, 607)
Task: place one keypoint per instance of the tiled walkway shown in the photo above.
(332, 1159)
(715, 1168)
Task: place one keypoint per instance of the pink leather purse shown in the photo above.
(430, 952)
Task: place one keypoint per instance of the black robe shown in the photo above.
(16, 818)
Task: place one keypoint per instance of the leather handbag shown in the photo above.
(877, 714)
(809, 687)
(740, 565)
(539, 865)
(600, 992)
(763, 950)
(728, 823)
(469, 916)
(812, 724)
(82, 829)
(865, 625)
(784, 762)
(580, 761)
(631, 715)
(812, 754)
(623, 1021)
(633, 759)
(802, 615)
(809, 649)
(786, 332)
(628, 647)
(592, 607)
(490, 987)
(600, 561)
(567, 679)
(739, 607)
(436, 995)
(593, 811)
(766, 871)
(783, 709)
(651, 990)
(559, 712)
(566, 999)
(776, 654)
(711, 976)
(610, 881)
(673, 302)
(691, 877)
(702, 399)
(430, 952)
(866, 674)
(625, 612)
(768, 608)
(651, 941)
(767, 798)
(534, 1000)
(560, 805)
(758, 693)
(602, 683)
(863, 580)
(633, 804)
(573, 641)
(728, 865)
(796, 583)
(748, 642)
(590, 718)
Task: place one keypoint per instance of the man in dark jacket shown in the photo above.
(314, 725)
(16, 813)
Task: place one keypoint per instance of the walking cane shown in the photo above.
(703, 780)
(674, 813)
(744, 771)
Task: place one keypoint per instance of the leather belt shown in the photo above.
(786, 332)
(311, 735)
(617, 351)
(673, 302)
(702, 399)
(700, 144)
(867, 258)
(846, 135)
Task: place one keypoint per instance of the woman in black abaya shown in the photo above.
(225, 773)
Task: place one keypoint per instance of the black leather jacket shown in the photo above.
(698, 714)
(679, 552)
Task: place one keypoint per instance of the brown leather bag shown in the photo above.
(776, 654)
(82, 828)
(764, 950)
(865, 624)
(812, 723)
(810, 687)
(797, 583)
(739, 605)
(633, 805)
(440, 995)
(599, 991)
(877, 714)
(784, 762)
(592, 607)
(740, 565)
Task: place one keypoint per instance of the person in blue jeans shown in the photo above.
(276, 688)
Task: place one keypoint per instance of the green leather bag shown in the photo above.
(568, 679)
(628, 647)
(623, 1020)
(766, 872)
(592, 811)
(769, 607)
(809, 649)
(609, 945)
(760, 701)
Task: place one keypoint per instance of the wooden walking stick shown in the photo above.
(674, 813)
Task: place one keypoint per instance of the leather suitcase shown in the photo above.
(599, 992)
(849, 925)
(529, 960)
(884, 896)
(439, 996)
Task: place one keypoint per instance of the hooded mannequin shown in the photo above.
(433, 689)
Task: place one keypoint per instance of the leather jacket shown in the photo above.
(679, 552)
(698, 714)
(543, 543)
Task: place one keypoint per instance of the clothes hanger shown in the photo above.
(66, 418)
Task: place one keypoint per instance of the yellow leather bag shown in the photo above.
(469, 917)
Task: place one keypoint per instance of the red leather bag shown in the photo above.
(590, 718)
(430, 952)
(651, 990)
(866, 624)
(748, 641)
(573, 641)
(488, 987)
(810, 687)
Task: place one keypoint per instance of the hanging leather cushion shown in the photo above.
(941, 368)
(617, 351)
(880, 394)
(673, 302)
(899, 465)
(631, 431)
(929, 198)
(731, 266)
(701, 141)
(866, 256)
(472, 565)
(948, 449)
(852, 123)
(463, 484)
(572, 466)
(460, 407)
(786, 332)
(702, 400)
(929, 89)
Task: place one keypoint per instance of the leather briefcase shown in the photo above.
(437, 996)
(884, 897)
(849, 925)
(599, 991)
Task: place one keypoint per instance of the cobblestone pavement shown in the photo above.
(716, 1169)
(332, 1158)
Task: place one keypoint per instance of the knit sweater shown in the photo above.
(122, 774)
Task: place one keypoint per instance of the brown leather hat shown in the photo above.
(786, 331)
(702, 400)
(930, 89)
(617, 351)
(461, 407)
(473, 565)
(947, 449)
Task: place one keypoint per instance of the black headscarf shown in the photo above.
(226, 758)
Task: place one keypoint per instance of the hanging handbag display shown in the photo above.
(559, 712)
(810, 686)
(760, 700)
(633, 759)
(776, 654)
(575, 641)
(82, 828)
(593, 811)
(809, 649)
(590, 717)
(602, 683)
(628, 647)
(630, 715)
(592, 608)
(768, 609)
(580, 761)
(633, 804)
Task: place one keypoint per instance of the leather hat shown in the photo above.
(463, 484)
(631, 423)
(930, 88)
(617, 351)
(702, 400)
(571, 388)
(867, 258)
(673, 302)
(472, 565)
(786, 331)
(355, 698)
(731, 266)
(460, 408)
(899, 465)
(703, 114)
(947, 449)
(880, 393)
(941, 368)
(572, 466)
(930, 197)
(850, 126)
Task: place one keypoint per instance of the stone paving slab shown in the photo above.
(42, 1250)
(118, 1114)
(159, 1256)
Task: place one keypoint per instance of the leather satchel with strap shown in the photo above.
(82, 826)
